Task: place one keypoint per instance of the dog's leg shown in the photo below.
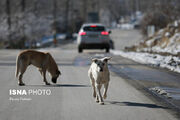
(92, 83)
(20, 80)
(105, 90)
(40, 70)
(97, 98)
(93, 86)
(98, 86)
(44, 77)
(23, 69)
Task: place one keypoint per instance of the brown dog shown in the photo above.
(43, 61)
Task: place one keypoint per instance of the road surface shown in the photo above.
(125, 38)
(71, 98)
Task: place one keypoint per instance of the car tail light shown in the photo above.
(104, 33)
(82, 33)
(93, 26)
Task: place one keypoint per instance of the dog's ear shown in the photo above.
(106, 59)
(94, 60)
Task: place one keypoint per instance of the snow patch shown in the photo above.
(170, 62)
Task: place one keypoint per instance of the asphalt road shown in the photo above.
(125, 38)
(71, 98)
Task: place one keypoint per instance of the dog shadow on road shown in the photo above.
(70, 85)
(60, 85)
(135, 104)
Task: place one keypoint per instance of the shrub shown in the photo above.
(156, 18)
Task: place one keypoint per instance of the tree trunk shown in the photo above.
(8, 12)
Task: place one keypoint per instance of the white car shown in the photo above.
(93, 36)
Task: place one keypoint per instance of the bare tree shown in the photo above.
(67, 14)
(115, 8)
(8, 12)
(23, 11)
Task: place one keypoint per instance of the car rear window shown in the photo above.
(94, 28)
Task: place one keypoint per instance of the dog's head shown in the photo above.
(101, 64)
(55, 76)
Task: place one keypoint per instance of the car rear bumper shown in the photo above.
(95, 46)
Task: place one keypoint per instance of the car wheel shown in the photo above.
(80, 50)
(111, 44)
(107, 50)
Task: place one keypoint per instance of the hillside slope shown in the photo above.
(165, 41)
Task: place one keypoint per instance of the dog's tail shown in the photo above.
(17, 66)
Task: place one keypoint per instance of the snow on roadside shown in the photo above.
(172, 47)
(170, 62)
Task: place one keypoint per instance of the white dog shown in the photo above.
(99, 75)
